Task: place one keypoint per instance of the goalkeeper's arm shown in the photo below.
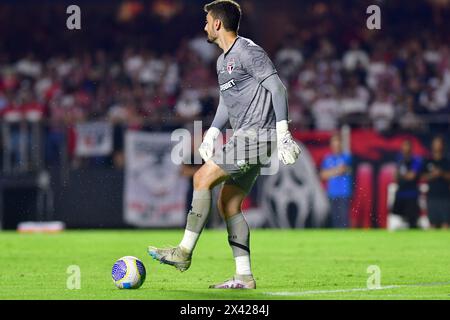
(206, 149)
(221, 117)
(288, 150)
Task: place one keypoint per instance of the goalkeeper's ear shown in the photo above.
(217, 24)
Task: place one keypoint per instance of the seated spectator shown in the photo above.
(353, 106)
(382, 112)
(188, 106)
(355, 57)
(408, 119)
(434, 98)
(325, 110)
(203, 49)
(288, 58)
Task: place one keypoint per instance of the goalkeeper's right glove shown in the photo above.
(206, 149)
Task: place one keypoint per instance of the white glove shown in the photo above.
(288, 149)
(206, 149)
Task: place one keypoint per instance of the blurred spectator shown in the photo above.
(353, 105)
(297, 111)
(288, 58)
(437, 173)
(12, 117)
(188, 106)
(434, 97)
(207, 52)
(382, 112)
(355, 57)
(29, 66)
(336, 170)
(377, 69)
(407, 176)
(325, 110)
(408, 119)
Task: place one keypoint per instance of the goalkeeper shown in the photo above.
(254, 101)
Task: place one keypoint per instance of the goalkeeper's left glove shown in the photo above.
(206, 149)
(288, 150)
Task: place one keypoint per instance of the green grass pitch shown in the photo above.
(287, 264)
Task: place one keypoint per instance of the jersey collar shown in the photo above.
(235, 40)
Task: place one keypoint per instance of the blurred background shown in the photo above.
(87, 115)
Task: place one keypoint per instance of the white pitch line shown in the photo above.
(304, 293)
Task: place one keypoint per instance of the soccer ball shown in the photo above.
(128, 273)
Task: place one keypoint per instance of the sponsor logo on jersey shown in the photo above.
(227, 85)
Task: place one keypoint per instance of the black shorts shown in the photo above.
(438, 210)
(408, 208)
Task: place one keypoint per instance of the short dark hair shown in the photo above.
(228, 11)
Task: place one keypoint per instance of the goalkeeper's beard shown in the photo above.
(210, 39)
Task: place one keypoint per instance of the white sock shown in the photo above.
(243, 265)
(189, 240)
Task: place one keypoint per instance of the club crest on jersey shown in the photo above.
(230, 65)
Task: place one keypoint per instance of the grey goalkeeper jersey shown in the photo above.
(240, 71)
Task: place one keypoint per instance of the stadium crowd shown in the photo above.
(390, 84)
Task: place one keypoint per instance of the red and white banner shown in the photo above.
(295, 195)
(155, 193)
(93, 139)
